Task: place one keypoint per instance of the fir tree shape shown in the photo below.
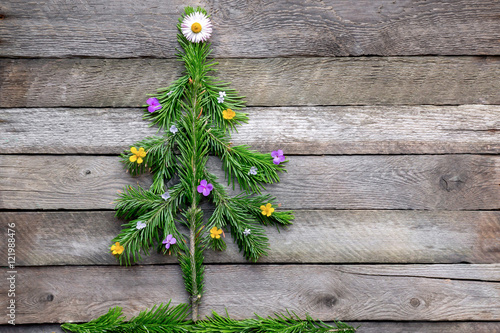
(197, 112)
(196, 115)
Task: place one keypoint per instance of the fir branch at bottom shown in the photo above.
(174, 319)
(163, 318)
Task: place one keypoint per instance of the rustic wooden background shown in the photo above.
(389, 111)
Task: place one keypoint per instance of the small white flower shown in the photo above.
(140, 225)
(196, 27)
(173, 129)
(220, 99)
(253, 171)
(246, 232)
(170, 92)
(165, 196)
(222, 94)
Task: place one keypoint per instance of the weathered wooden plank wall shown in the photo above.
(397, 227)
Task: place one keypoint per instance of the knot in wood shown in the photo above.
(451, 182)
(415, 302)
(328, 301)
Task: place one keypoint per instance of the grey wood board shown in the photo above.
(326, 292)
(246, 28)
(264, 82)
(364, 327)
(427, 182)
(421, 129)
(317, 236)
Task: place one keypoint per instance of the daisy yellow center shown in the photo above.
(196, 27)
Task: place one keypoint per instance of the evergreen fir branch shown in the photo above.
(170, 99)
(197, 64)
(252, 204)
(159, 319)
(133, 202)
(253, 245)
(213, 108)
(192, 271)
(110, 322)
(237, 161)
(159, 160)
(229, 211)
(165, 318)
(281, 323)
(193, 148)
(158, 214)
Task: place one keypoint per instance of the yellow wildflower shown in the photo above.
(228, 114)
(137, 155)
(267, 209)
(215, 232)
(117, 248)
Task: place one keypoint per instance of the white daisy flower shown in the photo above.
(246, 232)
(196, 27)
(220, 99)
(222, 94)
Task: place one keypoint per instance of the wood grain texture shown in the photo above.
(365, 327)
(426, 327)
(297, 130)
(246, 28)
(265, 82)
(446, 182)
(338, 237)
(326, 292)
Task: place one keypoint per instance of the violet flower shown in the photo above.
(277, 156)
(170, 240)
(173, 129)
(154, 104)
(165, 196)
(252, 171)
(205, 188)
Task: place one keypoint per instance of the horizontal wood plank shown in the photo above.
(338, 237)
(364, 327)
(426, 327)
(326, 292)
(265, 82)
(447, 182)
(246, 28)
(297, 130)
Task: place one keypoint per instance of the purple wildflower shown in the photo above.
(173, 129)
(154, 104)
(140, 225)
(205, 188)
(252, 171)
(170, 240)
(165, 196)
(277, 156)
